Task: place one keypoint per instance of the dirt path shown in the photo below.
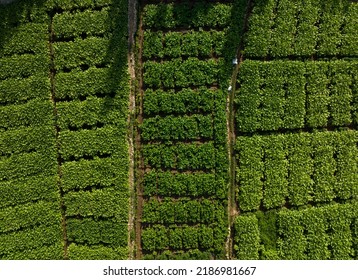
(132, 28)
(233, 209)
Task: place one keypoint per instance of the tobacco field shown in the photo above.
(179, 130)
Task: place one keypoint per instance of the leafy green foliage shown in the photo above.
(92, 51)
(301, 28)
(74, 24)
(289, 95)
(180, 156)
(183, 184)
(177, 128)
(180, 73)
(296, 168)
(317, 233)
(247, 237)
(96, 252)
(177, 44)
(201, 14)
(16, 90)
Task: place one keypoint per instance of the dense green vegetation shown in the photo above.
(296, 120)
(255, 160)
(63, 151)
(183, 132)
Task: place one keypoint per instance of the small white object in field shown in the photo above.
(230, 88)
(234, 61)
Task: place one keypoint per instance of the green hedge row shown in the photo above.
(74, 24)
(246, 237)
(100, 203)
(194, 254)
(177, 44)
(192, 127)
(23, 66)
(30, 139)
(289, 95)
(202, 237)
(102, 172)
(196, 184)
(180, 73)
(33, 113)
(30, 189)
(185, 14)
(301, 168)
(92, 111)
(48, 252)
(91, 51)
(85, 83)
(181, 102)
(27, 38)
(301, 28)
(97, 232)
(15, 90)
(180, 156)
(14, 243)
(24, 165)
(18, 218)
(77, 4)
(183, 211)
(21, 12)
(101, 141)
(97, 252)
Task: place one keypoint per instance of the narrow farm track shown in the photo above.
(132, 25)
(233, 209)
(139, 164)
(57, 128)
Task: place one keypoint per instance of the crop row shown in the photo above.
(183, 211)
(177, 44)
(23, 66)
(202, 237)
(91, 112)
(28, 38)
(192, 127)
(289, 95)
(14, 90)
(194, 254)
(199, 184)
(301, 28)
(74, 24)
(186, 101)
(180, 73)
(90, 52)
(302, 167)
(180, 156)
(193, 15)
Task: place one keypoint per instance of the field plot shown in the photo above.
(64, 161)
(30, 216)
(183, 133)
(296, 127)
(91, 89)
(300, 28)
